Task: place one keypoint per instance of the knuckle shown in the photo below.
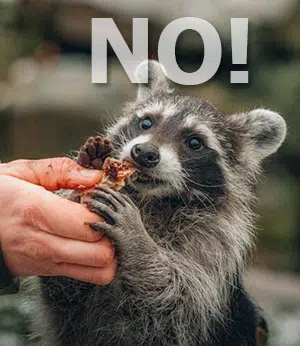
(130, 208)
(50, 270)
(97, 258)
(59, 269)
(89, 202)
(89, 235)
(92, 236)
(63, 163)
(93, 194)
(59, 168)
(135, 208)
(108, 257)
(13, 241)
(36, 250)
(110, 198)
(104, 257)
(28, 212)
(107, 209)
(105, 194)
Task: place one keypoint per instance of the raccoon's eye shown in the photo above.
(146, 123)
(194, 143)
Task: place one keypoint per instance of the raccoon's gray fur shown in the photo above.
(182, 249)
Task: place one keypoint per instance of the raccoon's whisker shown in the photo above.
(73, 154)
(200, 194)
(111, 121)
(187, 177)
(187, 160)
(198, 184)
(202, 202)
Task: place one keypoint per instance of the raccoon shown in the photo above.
(182, 229)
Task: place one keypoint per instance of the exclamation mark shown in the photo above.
(239, 44)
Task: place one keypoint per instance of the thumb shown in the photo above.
(52, 174)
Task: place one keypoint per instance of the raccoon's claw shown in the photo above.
(101, 227)
(102, 209)
(93, 153)
(108, 197)
(123, 221)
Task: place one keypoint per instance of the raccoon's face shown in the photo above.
(182, 145)
(170, 146)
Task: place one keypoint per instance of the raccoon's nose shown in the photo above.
(145, 155)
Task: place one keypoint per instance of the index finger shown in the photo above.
(52, 174)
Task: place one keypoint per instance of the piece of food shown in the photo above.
(115, 173)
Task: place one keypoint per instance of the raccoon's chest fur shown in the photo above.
(84, 314)
(93, 316)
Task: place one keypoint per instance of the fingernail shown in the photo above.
(90, 173)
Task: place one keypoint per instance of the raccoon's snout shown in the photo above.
(145, 155)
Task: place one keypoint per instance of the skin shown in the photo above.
(44, 234)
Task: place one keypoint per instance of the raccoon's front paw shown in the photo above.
(123, 223)
(93, 153)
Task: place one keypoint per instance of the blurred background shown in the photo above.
(48, 107)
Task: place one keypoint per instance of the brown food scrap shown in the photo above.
(116, 172)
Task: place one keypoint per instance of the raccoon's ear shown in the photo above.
(265, 129)
(157, 79)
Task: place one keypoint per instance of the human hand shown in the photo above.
(44, 234)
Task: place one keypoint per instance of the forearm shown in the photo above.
(164, 291)
(159, 277)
